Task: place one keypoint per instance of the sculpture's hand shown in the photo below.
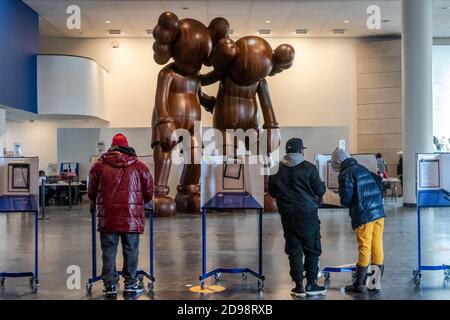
(209, 104)
(166, 132)
(273, 138)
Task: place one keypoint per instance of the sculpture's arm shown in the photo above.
(211, 77)
(270, 121)
(164, 122)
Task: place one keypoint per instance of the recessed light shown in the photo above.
(264, 31)
(346, 21)
(150, 31)
(338, 31)
(108, 21)
(268, 21)
(185, 8)
(115, 32)
(301, 31)
(386, 20)
(444, 8)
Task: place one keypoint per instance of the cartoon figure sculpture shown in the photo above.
(177, 106)
(241, 67)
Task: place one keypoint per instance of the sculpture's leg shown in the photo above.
(188, 196)
(164, 204)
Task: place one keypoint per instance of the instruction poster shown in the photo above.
(433, 171)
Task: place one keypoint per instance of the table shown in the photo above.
(230, 201)
(70, 185)
(429, 199)
(20, 204)
(394, 188)
(140, 273)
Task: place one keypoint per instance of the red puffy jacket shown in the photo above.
(120, 185)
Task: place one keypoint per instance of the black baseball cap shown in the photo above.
(294, 145)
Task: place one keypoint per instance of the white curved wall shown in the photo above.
(72, 86)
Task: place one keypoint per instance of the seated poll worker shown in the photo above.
(119, 186)
(298, 189)
(361, 191)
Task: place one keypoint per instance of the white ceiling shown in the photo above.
(246, 17)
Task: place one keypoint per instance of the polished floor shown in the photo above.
(65, 240)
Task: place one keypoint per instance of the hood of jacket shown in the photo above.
(118, 159)
(293, 159)
(348, 163)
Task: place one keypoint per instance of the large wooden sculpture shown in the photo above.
(241, 67)
(177, 106)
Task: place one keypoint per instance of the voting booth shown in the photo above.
(232, 184)
(141, 274)
(330, 176)
(19, 192)
(433, 191)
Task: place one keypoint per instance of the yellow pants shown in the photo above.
(370, 243)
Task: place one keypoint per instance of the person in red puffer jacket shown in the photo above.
(119, 186)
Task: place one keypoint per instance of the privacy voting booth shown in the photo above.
(433, 191)
(330, 176)
(19, 193)
(232, 184)
(148, 161)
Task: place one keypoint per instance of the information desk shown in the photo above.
(141, 273)
(20, 204)
(430, 199)
(231, 201)
(69, 186)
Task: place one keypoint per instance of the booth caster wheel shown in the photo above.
(140, 279)
(260, 285)
(34, 284)
(202, 285)
(89, 287)
(2, 281)
(417, 279)
(326, 275)
(217, 276)
(447, 274)
(353, 275)
(151, 286)
(244, 276)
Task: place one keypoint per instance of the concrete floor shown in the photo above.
(65, 240)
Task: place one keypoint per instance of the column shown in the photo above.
(417, 45)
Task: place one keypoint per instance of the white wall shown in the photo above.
(441, 91)
(319, 90)
(70, 85)
(2, 130)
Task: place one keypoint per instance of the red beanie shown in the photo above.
(120, 140)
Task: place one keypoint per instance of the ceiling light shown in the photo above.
(108, 21)
(386, 20)
(150, 31)
(338, 31)
(115, 44)
(264, 31)
(301, 31)
(346, 21)
(444, 8)
(185, 8)
(268, 21)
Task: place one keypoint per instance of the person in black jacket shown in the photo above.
(298, 189)
(360, 192)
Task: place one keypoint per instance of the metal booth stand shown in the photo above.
(141, 273)
(432, 185)
(25, 202)
(231, 184)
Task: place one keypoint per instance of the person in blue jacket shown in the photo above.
(361, 192)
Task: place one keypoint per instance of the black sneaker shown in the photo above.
(298, 291)
(132, 290)
(110, 291)
(313, 289)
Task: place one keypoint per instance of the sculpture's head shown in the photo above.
(251, 59)
(187, 41)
